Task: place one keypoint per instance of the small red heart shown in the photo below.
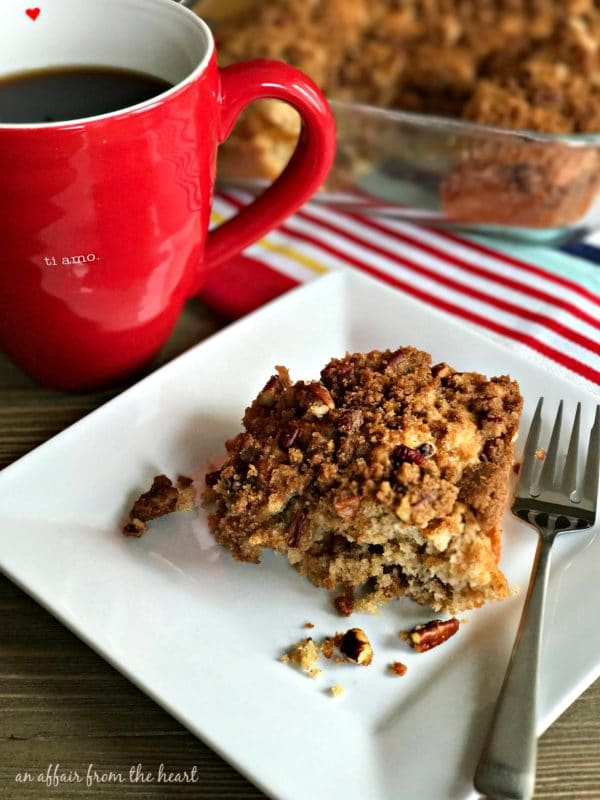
(33, 13)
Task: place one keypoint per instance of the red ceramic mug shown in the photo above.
(103, 220)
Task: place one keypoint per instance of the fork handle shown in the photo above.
(506, 767)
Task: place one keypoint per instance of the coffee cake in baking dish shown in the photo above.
(385, 478)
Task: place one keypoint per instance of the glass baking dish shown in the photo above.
(446, 172)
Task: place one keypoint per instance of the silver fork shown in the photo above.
(552, 503)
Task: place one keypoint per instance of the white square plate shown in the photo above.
(202, 634)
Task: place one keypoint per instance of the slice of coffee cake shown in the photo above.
(387, 477)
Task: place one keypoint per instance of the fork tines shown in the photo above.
(556, 485)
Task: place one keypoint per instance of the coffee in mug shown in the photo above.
(58, 94)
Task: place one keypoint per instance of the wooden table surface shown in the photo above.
(62, 708)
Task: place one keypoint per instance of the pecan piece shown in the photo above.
(268, 393)
(350, 420)
(396, 358)
(273, 388)
(410, 455)
(441, 370)
(212, 478)
(135, 527)
(346, 507)
(355, 645)
(423, 637)
(320, 401)
(296, 529)
(288, 436)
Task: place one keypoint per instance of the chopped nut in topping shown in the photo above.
(162, 498)
(398, 668)
(337, 690)
(296, 529)
(431, 634)
(410, 455)
(212, 478)
(441, 370)
(321, 401)
(355, 645)
(273, 387)
(267, 396)
(288, 436)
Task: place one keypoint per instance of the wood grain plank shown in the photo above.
(60, 703)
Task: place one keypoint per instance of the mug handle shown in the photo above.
(253, 80)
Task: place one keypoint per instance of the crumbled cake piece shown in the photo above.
(353, 644)
(387, 476)
(337, 690)
(398, 668)
(329, 644)
(304, 654)
(431, 634)
(162, 498)
(308, 625)
(345, 602)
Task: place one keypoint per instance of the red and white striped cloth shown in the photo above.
(532, 307)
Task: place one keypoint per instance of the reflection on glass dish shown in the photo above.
(452, 173)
